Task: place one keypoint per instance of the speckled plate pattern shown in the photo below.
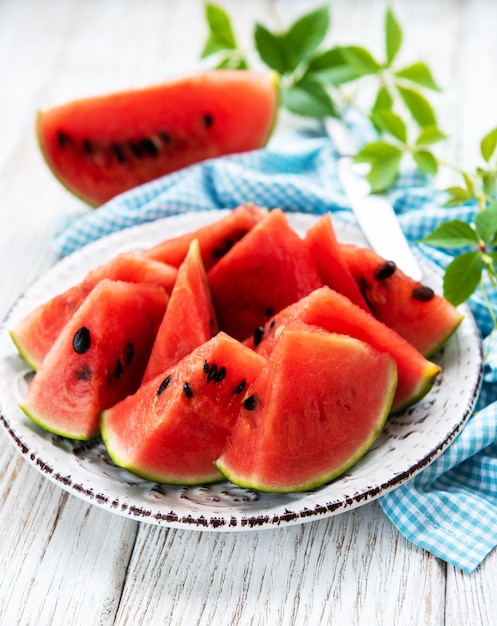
(408, 443)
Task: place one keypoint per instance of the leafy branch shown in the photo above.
(318, 80)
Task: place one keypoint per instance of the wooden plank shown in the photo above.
(343, 570)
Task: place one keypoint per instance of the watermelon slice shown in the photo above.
(265, 271)
(315, 408)
(98, 358)
(332, 267)
(214, 239)
(335, 313)
(176, 425)
(425, 319)
(99, 147)
(189, 320)
(35, 334)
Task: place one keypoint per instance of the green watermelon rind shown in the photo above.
(322, 479)
(443, 340)
(23, 353)
(48, 427)
(156, 478)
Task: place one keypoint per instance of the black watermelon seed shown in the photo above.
(258, 335)
(250, 403)
(423, 293)
(166, 138)
(241, 387)
(221, 373)
(163, 385)
(206, 367)
(187, 390)
(208, 120)
(269, 311)
(81, 341)
(87, 147)
(149, 147)
(135, 149)
(84, 373)
(119, 369)
(385, 270)
(129, 353)
(272, 324)
(118, 152)
(63, 139)
(212, 373)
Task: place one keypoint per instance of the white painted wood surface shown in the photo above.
(63, 562)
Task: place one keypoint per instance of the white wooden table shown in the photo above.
(63, 561)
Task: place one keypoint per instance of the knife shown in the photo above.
(373, 212)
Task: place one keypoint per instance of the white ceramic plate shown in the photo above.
(408, 443)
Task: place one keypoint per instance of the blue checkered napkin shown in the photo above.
(450, 508)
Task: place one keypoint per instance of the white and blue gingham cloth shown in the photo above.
(450, 508)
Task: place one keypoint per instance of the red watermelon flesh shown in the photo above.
(332, 267)
(189, 320)
(335, 313)
(265, 271)
(98, 358)
(315, 408)
(35, 334)
(425, 319)
(176, 425)
(99, 147)
(215, 239)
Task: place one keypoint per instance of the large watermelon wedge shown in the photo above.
(335, 313)
(265, 271)
(189, 320)
(315, 408)
(174, 427)
(98, 358)
(99, 147)
(425, 319)
(35, 334)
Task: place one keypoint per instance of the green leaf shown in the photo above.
(309, 98)
(272, 50)
(486, 222)
(488, 145)
(430, 135)
(419, 107)
(452, 234)
(221, 35)
(384, 172)
(426, 162)
(391, 123)
(376, 151)
(330, 66)
(383, 100)
(232, 62)
(306, 34)
(393, 36)
(360, 60)
(420, 74)
(489, 181)
(462, 277)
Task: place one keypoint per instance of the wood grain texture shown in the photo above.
(65, 563)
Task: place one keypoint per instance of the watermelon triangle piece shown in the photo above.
(425, 319)
(174, 427)
(265, 271)
(35, 334)
(98, 358)
(315, 408)
(189, 320)
(215, 239)
(333, 312)
(332, 267)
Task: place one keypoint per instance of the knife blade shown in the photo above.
(374, 212)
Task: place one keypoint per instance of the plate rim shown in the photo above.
(289, 516)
